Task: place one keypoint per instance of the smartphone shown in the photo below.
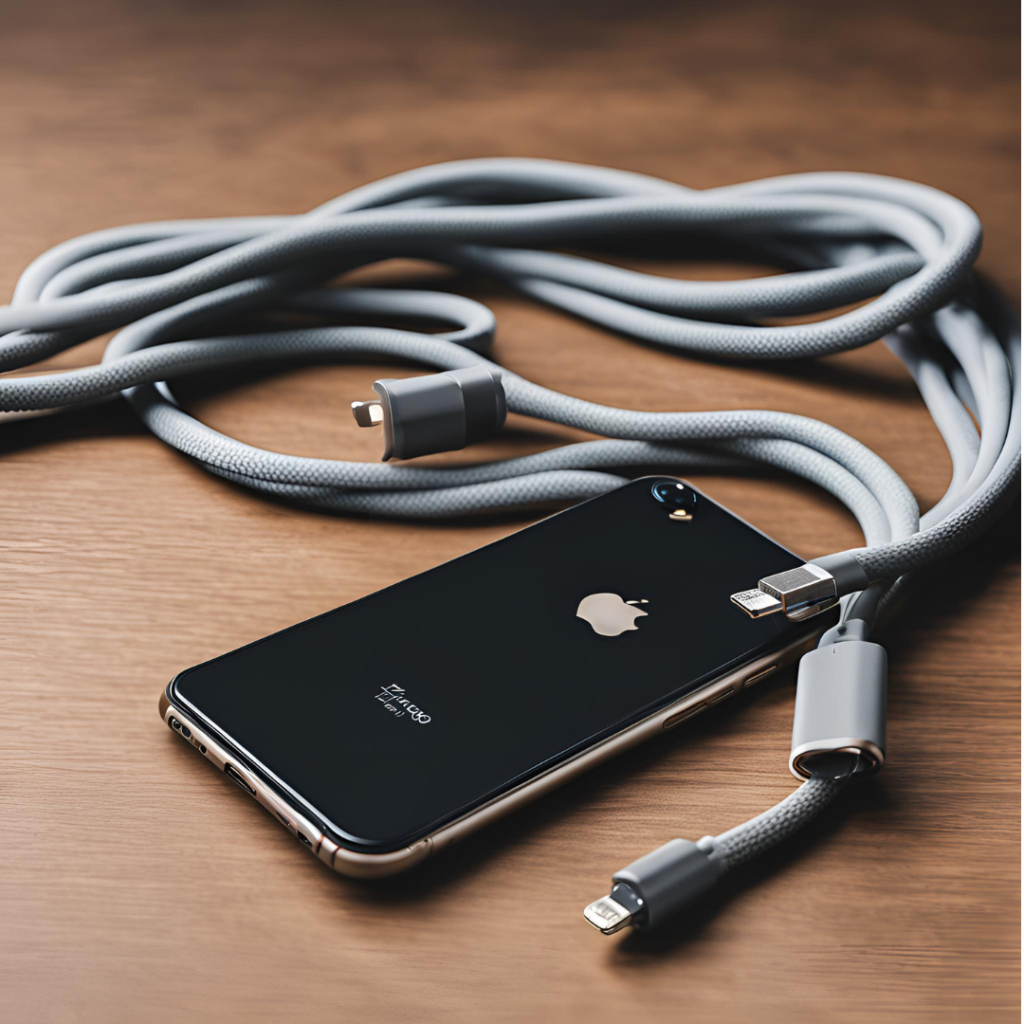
(382, 731)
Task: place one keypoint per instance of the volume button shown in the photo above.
(681, 716)
(758, 676)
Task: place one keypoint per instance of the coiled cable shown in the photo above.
(901, 252)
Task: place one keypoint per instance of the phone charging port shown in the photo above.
(236, 776)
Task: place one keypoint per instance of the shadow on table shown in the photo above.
(113, 418)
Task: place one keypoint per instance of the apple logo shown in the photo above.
(608, 614)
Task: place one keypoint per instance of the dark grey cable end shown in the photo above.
(847, 571)
(656, 887)
(440, 412)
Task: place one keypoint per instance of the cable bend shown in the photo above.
(900, 253)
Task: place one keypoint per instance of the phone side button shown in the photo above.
(681, 716)
(326, 851)
(758, 676)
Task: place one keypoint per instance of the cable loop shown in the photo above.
(902, 252)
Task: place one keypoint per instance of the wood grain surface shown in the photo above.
(136, 884)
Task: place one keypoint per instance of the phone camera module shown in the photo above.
(679, 499)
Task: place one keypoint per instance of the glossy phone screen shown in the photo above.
(387, 717)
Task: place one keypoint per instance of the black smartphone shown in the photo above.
(383, 730)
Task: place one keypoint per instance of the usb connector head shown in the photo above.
(608, 916)
(438, 412)
(799, 593)
(654, 888)
(757, 603)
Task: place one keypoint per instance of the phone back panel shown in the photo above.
(403, 710)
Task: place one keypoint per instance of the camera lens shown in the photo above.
(674, 495)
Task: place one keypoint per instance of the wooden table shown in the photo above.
(135, 883)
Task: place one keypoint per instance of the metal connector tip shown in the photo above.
(801, 592)
(607, 916)
(756, 603)
(368, 414)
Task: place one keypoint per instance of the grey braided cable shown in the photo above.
(900, 253)
(165, 284)
(758, 835)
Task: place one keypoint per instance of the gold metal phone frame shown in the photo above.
(378, 865)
